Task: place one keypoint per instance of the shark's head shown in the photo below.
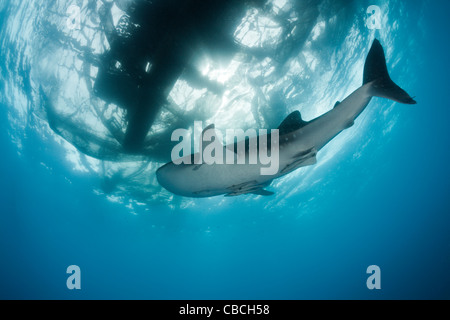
(182, 180)
(168, 176)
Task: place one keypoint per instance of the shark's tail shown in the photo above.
(375, 72)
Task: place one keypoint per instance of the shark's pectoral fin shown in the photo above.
(263, 192)
(302, 159)
(258, 192)
(309, 162)
(251, 187)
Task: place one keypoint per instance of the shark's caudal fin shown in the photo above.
(375, 71)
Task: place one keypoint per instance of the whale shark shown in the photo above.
(298, 144)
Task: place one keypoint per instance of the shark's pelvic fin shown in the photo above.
(375, 72)
(336, 104)
(303, 159)
(292, 122)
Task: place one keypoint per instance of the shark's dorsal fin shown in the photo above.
(211, 126)
(292, 122)
(336, 104)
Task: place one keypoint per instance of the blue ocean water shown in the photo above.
(377, 196)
